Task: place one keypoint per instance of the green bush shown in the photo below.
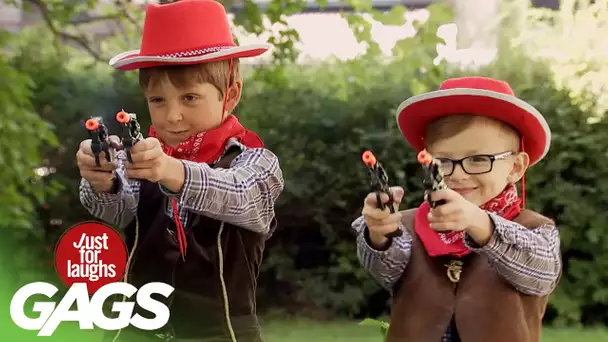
(319, 128)
(318, 121)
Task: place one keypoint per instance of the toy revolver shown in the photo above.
(379, 183)
(99, 138)
(433, 180)
(130, 131)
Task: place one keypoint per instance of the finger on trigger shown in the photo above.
(141, 146)
(86, 161)
(384, 197)
(371, 199)
(398, 193)
(141, 156)
(375, 213)
(440, 195)
(115, 142)
(85, 147)
(446, 209)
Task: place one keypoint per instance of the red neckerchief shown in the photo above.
(206, 147)
(506, 204)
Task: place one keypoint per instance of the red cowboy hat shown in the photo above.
(478, 96)
(185, 32)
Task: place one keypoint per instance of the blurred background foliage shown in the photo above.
(317, 118)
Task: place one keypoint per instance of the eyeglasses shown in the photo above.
(472, 165)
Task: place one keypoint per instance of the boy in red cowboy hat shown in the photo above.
(197, 200)
(476, 268)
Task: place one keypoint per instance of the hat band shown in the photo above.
(199, 52)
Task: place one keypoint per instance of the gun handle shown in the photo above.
(97, 149)
(106, 149)
(129, 158)
(128, 144)
(382, 205)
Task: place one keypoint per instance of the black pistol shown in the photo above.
(433, 180)
(99, 138)
(379, 184)
(130, 132)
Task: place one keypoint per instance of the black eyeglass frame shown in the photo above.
(492, 157)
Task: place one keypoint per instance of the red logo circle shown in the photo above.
(91, 253)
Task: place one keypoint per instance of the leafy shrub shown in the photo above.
(318, 121)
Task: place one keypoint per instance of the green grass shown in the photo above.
(292, 330)
(302, 330)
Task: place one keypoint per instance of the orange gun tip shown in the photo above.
(123, 117)
(425, 157)
(91, 124)
(368, 158)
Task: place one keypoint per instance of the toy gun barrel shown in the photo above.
(369, 159)
(131, 133)
(123, 117)
(433, 177)
(92, 124)
(379, 183)
(99, 138)
(425, 158)
(100, 142)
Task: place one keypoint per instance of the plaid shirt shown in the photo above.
(243, 195)
(529, 259)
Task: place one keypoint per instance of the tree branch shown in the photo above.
(88, 20)
(125, 12)
(81, 40)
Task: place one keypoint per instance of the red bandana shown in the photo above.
(206, 147)
(506, 204)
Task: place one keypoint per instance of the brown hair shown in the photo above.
(447, 126)
(183, 76)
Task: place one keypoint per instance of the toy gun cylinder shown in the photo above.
(379, 183)
(434, 179)
(99, 138)
(130, 131)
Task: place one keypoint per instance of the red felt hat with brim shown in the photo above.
(477, 96)
(185, 32)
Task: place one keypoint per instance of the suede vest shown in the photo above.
(484, 307)
(197, 307)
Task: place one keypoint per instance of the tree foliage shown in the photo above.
(317, 120)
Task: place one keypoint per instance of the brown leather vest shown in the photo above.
(197, 304)
(484, 306)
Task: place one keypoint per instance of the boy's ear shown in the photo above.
(234, 95)
(520, 165)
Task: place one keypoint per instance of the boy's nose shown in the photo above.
(174, 115)
(458, 173)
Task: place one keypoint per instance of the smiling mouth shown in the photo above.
(464, 191)
(178, 132)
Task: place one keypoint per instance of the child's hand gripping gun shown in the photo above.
(130, 131)
(99, 138)
(379, 183)
(433, 180)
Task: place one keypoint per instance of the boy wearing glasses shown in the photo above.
(478, 267)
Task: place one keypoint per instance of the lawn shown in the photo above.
(289, 330)
(301, 330)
